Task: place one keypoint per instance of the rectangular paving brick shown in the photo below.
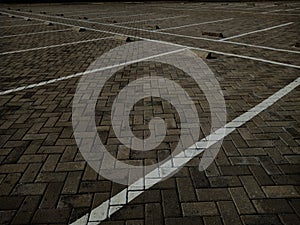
(241, 200)
(252, 188)
(272, 206)
(213, 194)
(228, 213)
(286, 191)
(199, 209)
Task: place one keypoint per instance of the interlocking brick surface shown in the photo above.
(45, 180)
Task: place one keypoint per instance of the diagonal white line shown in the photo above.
(54, 46)
(257, 31)
(22, 25)
(170, 34)
(43, 83)
(40, 32)
(117, 202)
(156, 19)
(133, 15)
(196, 24)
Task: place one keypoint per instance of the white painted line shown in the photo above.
(115, 203)
(43, 83)
(22, 25)
(133, 15)
(282, 10)
(53, 46)
(130, 28)
(257, 31)
(34, 33)
(156, 19)
(99, 13)
(80, 11)
(196, 24)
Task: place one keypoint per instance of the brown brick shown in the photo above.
(153, 214)
(252, 188)
(29, 189)
(286, 191)
(57, 216)
(199, 209)
(170, 202)
(241, 200)
(51, 195)
(186, 190)
(70, 166)
(272, 206)
(228, 213)
(213, 194)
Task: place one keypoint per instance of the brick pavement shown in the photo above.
(45, 180)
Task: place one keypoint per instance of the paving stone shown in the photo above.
(72, 182)
(57, 216)
(241, 200)
(70, 166)
(184, 221)
(252, 188)
(170, 202)
(27, 209)
(260, 219)
(51, 196)
(29, 189)
(289, 219)
(272, 206)
(213, 194)
(185, 190)
(199, 209)
(286, 191)
(75, 201)
(228, 213)
(225, 181)
(153, 214)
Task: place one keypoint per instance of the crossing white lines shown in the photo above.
(156, 19)
(200, 38)
(196, 24)
(257, 31)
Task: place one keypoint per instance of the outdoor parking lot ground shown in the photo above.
(44, 179)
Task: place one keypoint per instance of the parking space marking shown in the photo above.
(43, 83)
(282, 10)
(257, 31)
(156, 19)
(34, 33)
(100, 13)
(54, 46)
(196, 24)
(202, 49)
(133, 15)
(118, 201)
(22, 25)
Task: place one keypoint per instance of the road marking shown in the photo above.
(257, 31)
(133, 15)
(23, 25)
(54, 46)
(196, 24)
(100, 13)
(40, 32)
(43, 83)
(156, 19)
(118, 201)
(282, 10)
(206, 50)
